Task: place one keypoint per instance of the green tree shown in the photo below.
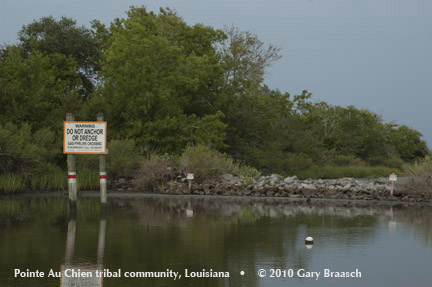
(160, 77)
(50, 36)
(408, 143)
(245, 58)
(37, 89)
(24, 151)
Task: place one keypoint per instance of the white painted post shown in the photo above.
(392, 178)
(71, 164)
(102, 170)
(190, 177)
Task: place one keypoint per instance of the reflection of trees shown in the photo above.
(237, 235)
(153, 234)
(418, 219)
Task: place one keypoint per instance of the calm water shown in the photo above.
(391, 245)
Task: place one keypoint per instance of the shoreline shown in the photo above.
(268, 187)
(114, 194)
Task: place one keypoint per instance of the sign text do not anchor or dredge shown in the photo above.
(85, 137)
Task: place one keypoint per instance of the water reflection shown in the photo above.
(156, 233)
(80, 273)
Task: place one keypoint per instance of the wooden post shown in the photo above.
(190, 177)
(189, 185)
(71, 165)
(102, 169)
(392, 188)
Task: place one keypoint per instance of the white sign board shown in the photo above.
(190, 176)
(393, 177)
(85, 137)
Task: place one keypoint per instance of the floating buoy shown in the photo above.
(309, 240)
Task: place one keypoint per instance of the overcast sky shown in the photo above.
(374, 54)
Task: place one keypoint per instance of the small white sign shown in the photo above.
(190, 176)
(85, 137)
(393, 177)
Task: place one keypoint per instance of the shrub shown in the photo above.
(420, 168)
(122, 159)
(153, 172)
(246, 171)
(205, 162)
(347, 160)
(420, 175)
(293, 162)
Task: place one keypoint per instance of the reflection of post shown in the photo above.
(391, 223)
(70, 240)
(101, 243)
(94, 273)
(189, 210)
(102, 169)
(72, 186)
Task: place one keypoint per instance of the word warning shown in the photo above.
(85, 137)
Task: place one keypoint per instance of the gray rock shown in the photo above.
(269, 193)
(308, 186)
(227, 177)
(289, 180)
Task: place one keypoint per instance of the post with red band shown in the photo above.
(102, 170)
(72, 185)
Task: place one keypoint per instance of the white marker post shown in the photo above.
(392, 178)
(190, 177)
(71, 165)
(102, 169)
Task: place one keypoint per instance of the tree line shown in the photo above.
(164, 85)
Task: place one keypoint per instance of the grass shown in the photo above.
(88, 179)
(12, 183)
(54, 178)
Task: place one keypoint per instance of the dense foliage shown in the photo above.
(164, 85)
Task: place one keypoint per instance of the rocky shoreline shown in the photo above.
(292, 187)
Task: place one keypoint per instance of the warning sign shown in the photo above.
(84, 137)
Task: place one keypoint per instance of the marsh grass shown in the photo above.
(88, 179)
(12, 183)
(53, 179)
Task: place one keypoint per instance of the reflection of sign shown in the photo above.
(189, 212)
(393, 177)
(84, 137)
(80, 276)
(190, 176)
(392, 225)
